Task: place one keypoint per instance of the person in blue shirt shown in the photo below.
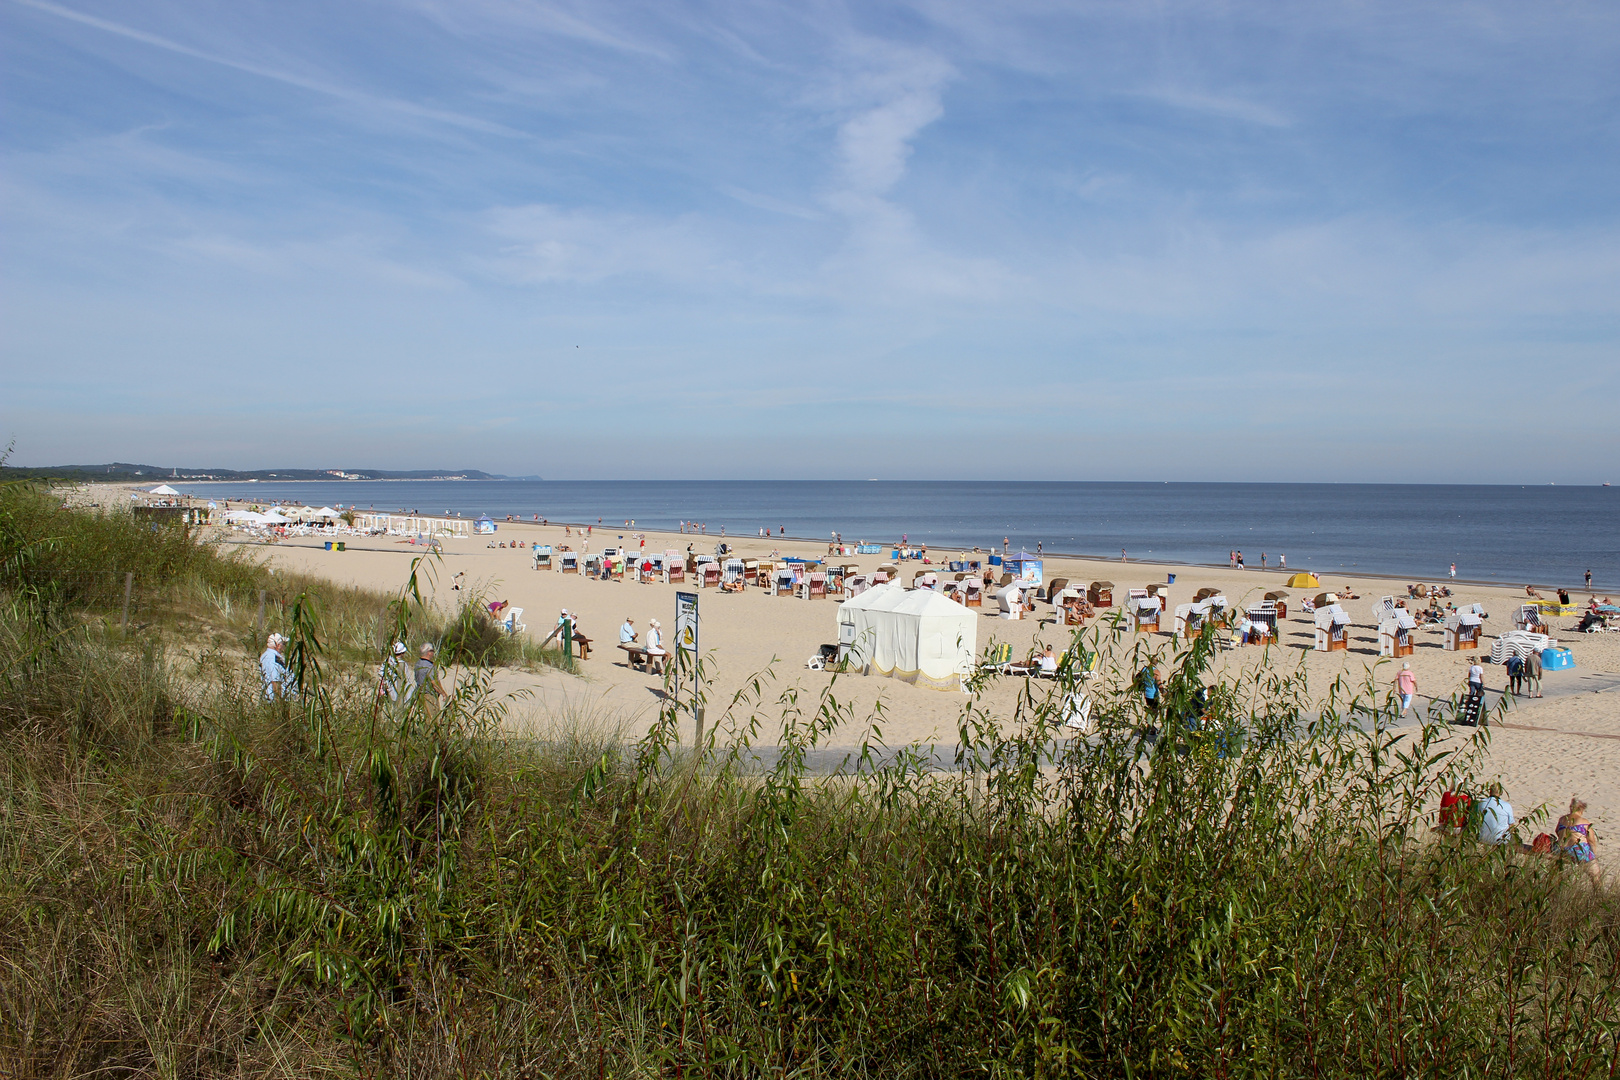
(273, 668)
(1495, 816)
(425, 678)
(1150, 688)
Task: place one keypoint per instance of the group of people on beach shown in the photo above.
(1573, 838)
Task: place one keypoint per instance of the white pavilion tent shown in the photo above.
(917, 636)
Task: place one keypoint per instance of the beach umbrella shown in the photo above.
(163, 489)
(274, 517)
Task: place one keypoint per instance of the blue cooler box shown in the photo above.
(1556, 659)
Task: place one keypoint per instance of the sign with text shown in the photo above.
(686, 622)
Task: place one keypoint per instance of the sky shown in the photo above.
(1026, 240)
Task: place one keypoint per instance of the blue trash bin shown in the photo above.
(329, 545)
(1172, 578)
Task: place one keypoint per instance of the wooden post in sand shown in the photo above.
(129, 586)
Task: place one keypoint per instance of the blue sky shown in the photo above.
(1195, 241)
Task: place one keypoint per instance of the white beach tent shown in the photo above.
(325, 512)
(163, 489)
(917, 636)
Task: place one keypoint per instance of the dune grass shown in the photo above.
(194, 882)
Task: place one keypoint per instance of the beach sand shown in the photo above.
(1567, 743)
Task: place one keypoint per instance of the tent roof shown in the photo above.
(1023, 556)
(1303, 580)
(163, 489)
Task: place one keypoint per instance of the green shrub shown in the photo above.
(195, 882)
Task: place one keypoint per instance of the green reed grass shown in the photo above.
(194, 882)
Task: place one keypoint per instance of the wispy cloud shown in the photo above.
(1227, 108)
(1195, 200)
(312, 84)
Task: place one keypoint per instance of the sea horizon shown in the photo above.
(1542, 534)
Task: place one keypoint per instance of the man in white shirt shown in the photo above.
(1476, 679)
(627, 632)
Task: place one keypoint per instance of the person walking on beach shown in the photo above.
(1589, 581)
(1262, 560)
(1122, 555)
(1532, 674)
(1282, 561)
(1240, 565)
(1476, 680)
(1453, 569)
(1231, 559)
(273, 668)
(391, 676)
(425, 677)
(1406, 686)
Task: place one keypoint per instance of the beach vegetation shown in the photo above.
(1237, 881)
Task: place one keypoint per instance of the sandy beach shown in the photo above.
(1566, 743)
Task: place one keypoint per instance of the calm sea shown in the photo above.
(1545, 535)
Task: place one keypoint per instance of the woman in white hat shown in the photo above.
(655, 647)
(391, 676)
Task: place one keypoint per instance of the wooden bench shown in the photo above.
(640, 659)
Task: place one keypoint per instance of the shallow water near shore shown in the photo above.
(1546, 535)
